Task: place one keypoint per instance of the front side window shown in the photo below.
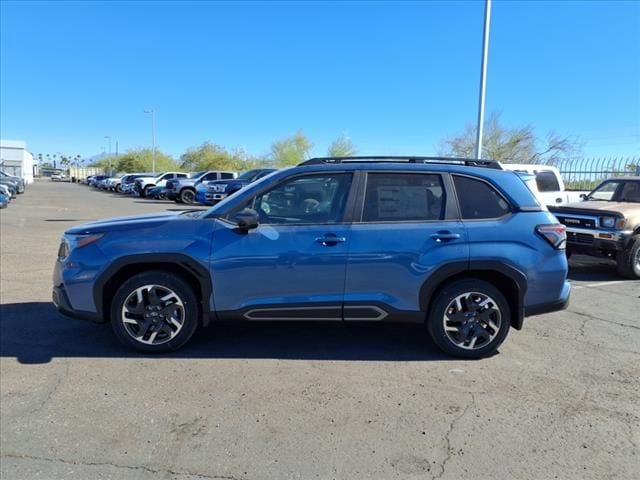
(478, 199)
(310, 199)
(210, 176)
(397, 197)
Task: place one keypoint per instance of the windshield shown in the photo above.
(617, 191)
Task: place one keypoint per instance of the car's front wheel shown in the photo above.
(154, 311)
(188, 196)
(146, 190)
(469, 318)
(628, 260)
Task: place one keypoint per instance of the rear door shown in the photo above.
(406, 229)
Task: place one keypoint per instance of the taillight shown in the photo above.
(555, 234)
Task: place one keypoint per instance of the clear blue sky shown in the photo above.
(395, 77)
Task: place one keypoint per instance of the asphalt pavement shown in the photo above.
(297, 401)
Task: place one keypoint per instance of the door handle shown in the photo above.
(444, 236)
(330, 239)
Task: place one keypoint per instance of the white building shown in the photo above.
(16, 160)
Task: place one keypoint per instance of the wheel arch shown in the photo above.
(509, 280)
(190, 270)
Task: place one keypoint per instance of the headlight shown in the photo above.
(608, 222)
(78, 241)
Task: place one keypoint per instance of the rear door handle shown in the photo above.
(330, 239)
(445, 236)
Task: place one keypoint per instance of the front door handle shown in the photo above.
(445, 236)
(330, 240)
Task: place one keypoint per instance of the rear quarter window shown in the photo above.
(478, 199)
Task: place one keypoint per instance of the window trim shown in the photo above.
(512, 209)
(450, 208)
(347, 218)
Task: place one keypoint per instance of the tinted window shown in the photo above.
(226, 176)
(181, 175)
(393, 197)
(479, 199)
(210, 176)
(547, 182)
(310, 199)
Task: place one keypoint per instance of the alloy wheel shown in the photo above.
(472, 320)
(153, 314)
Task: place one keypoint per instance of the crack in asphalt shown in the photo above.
(592, 317)
(447, 435)
(127, 467)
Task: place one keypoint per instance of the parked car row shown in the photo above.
(10, 187)
(205, 187)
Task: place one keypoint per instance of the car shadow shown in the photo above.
(589, 269)
(36, 333)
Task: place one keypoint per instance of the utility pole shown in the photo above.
(153, 138)
(483, 76)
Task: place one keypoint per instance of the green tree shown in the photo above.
(511, 145)
(342, 147)
(138, 160)
(291, 150)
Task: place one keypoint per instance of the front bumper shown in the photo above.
(594, 240)
(62, 304)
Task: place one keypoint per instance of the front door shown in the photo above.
(292, 266)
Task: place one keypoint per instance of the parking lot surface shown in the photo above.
(278, 401)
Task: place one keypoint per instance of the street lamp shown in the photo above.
(109, 139)
(153, 138)
(483, 76)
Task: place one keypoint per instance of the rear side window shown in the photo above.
(226, 176)
(478, 199)
(547, 182)
(396, 197)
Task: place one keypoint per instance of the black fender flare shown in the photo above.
(445, 272)
(181, 261)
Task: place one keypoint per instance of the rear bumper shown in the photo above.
(62, 304)
(560, 304)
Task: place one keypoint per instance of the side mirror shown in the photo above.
(247, 219)
(583, 196)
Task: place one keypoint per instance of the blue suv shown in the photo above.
(460, 245)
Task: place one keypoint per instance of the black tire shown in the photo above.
(146, 190)
(118, 188)
(628, 261)
(497, 314)
(188, 196)
(183, 306)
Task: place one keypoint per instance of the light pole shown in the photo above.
(109, 139)
(483, 76)
(153, 138)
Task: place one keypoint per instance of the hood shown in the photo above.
(126, 223)
(625, 208)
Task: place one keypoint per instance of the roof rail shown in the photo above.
(469, 162)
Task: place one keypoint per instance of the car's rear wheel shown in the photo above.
(628, 261)
(469, 318)
(188, 196)
(154, 312)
